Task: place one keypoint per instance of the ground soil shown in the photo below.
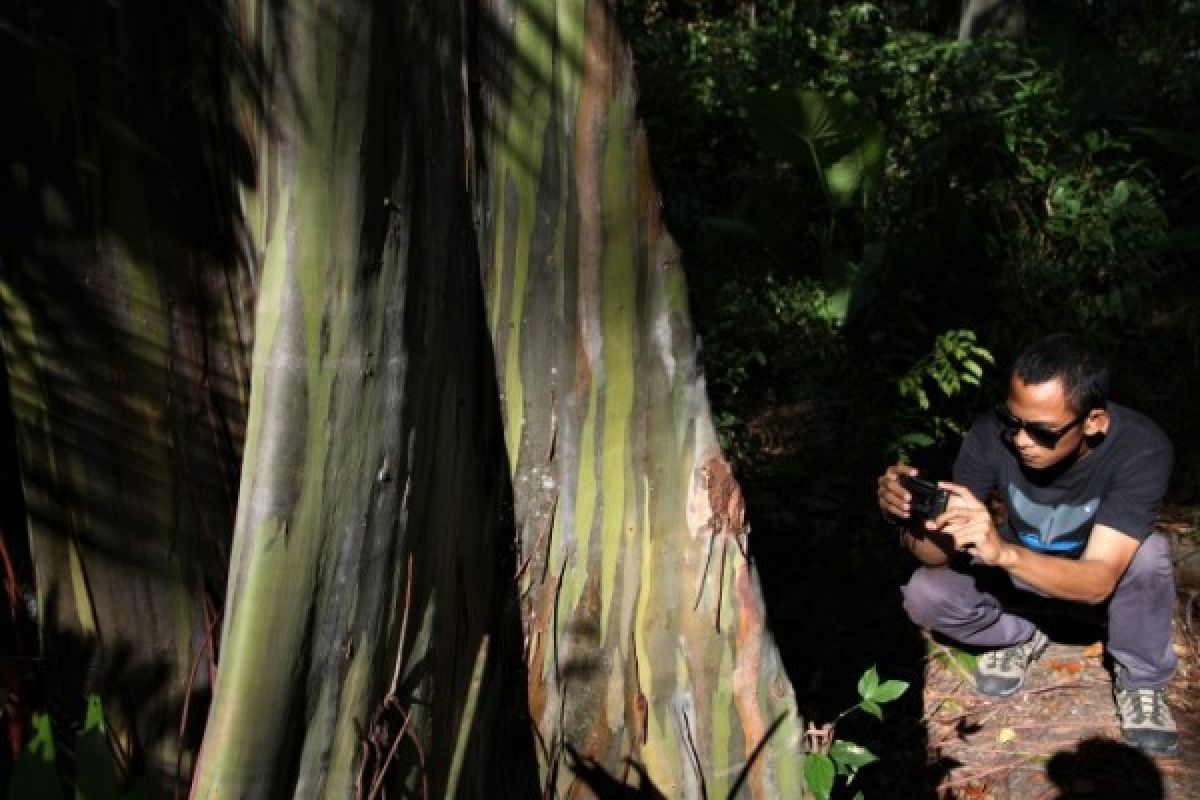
(1059, 736)
(835, 607)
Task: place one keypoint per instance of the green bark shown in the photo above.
(375, 608)
(123, 348)
(649, 660)
(371, 548)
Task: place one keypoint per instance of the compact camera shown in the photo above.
(928, 501)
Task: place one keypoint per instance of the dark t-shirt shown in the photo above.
(1119, 483)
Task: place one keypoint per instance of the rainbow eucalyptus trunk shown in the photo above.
(122, 333)
(648, 657)
(365, 633)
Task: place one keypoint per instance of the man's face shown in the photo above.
(1043, 406)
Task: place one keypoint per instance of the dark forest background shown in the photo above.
(876, 215)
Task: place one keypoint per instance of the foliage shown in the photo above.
(828, 758)
(903, 189)
(89, 766)
(956, 361)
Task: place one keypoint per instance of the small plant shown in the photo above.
(956, 361)
(827, 758)
(90, 768)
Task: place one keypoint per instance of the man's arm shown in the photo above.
(932, 549)
(973, 469)
(1090, 579)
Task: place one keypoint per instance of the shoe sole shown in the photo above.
(1151, 751)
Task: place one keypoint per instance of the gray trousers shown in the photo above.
(983, 607)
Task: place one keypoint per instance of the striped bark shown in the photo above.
(372, 551)
(649, 660)
(122, 337)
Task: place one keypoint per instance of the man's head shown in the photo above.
(1057, 397)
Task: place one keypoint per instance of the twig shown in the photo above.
(1057, 686)
(969, 779)
(403, 631)
(546, 526)
(744, 773)
(1037, 726)
(557, 594)
(187, 702)
(945, 652)
(1044, 748)
(468, 716)
(378, 782)
(391, 700)
(687, 730)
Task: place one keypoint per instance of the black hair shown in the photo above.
(1084, 372)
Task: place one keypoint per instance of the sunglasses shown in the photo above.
(1041, 435)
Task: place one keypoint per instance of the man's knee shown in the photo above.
(931, 597)
(1151, 566)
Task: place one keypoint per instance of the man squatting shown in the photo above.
(1082, 479)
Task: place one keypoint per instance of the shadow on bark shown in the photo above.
(125, 319)
(634, 785)
(135, 685)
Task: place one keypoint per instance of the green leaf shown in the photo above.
(1120, 194)
(93, 718)
(867, 683)
(34, 774)
(851, 755)
(872, 708)
(916, 439)
(819, 773)
(836, 134)
(889, 691)
(95, 770)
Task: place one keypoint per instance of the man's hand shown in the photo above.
(969, 523)
(894, 499)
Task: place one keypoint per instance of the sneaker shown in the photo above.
(1146, 722)
(1000, 673)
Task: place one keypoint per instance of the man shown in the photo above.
(1081, 479)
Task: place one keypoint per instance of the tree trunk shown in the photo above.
(122, 333)
(373, 628)
(371, 566)
(979, 16)
(649, 661)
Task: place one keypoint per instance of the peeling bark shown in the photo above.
(372, 549)
(649, 660)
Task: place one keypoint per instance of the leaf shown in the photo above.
(889, 691)
(1006, 735)
(34, 774)
(867, 683)
(819, 773)
(836, 134)
(872, 708)
(93, 718)
(95, 770)
(916, 439)
(851, 755)
(1120, 194)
